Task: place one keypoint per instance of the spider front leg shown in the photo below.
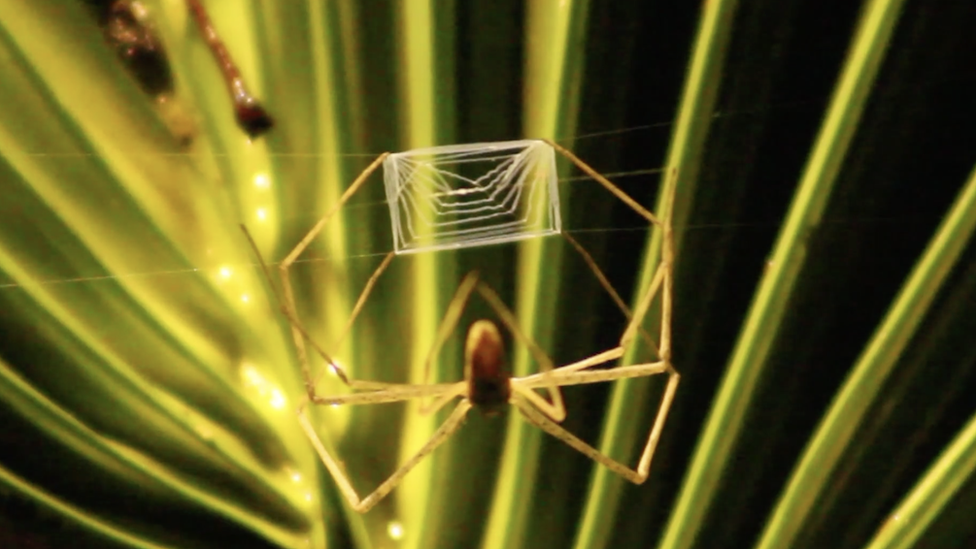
(444, 331)
(301, 335)
(663, 275)
(580, 373)
(608, 287)
(663, 279)
(288, 300)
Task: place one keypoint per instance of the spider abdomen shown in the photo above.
(484, 363)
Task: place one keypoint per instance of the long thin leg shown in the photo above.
(554, 407)
(451, 318)
(662, 277)
(667, 262)
(339, 371)
(356, 184)
(363, 296)
(589, 362)
(460, 389)
(667, 252)
(296, 326)
(642, 307)
(615, 190)
(452, 424)
(637, 476)
(563, 378)
(393, 392)
(289, 296)
(447, 326)
(605, 282)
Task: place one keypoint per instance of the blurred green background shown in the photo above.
(825, 275)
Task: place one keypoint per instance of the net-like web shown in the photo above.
(475, 194)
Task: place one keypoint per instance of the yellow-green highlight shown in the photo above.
(72, 513)
(725, 420)
(171, 427)
(130, 466)
(99, 123)
(914, 514)
(837, 429)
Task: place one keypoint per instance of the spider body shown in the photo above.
(489, 384)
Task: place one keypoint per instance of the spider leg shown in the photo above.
(446, 328)
(577, 373)
(642, 307)
(363, 296)
(393, 392)
(541, 378)
(460, 389)
(376, 392)
(449, 427)
(564, 376)
(638, 475)
(662, 281)
(296, 326)
(289, 296)
(355, 384)
(605, 282)
(664, 269)
(615, 190)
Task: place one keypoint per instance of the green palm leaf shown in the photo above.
(148, 384)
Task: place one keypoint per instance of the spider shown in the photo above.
(487, 386)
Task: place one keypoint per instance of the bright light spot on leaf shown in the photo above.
(277, 399)
(244, 298)
(250, 374)
(265, 389)
(395, 530)
(262, 214)
(226, 272)
(261, 181)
